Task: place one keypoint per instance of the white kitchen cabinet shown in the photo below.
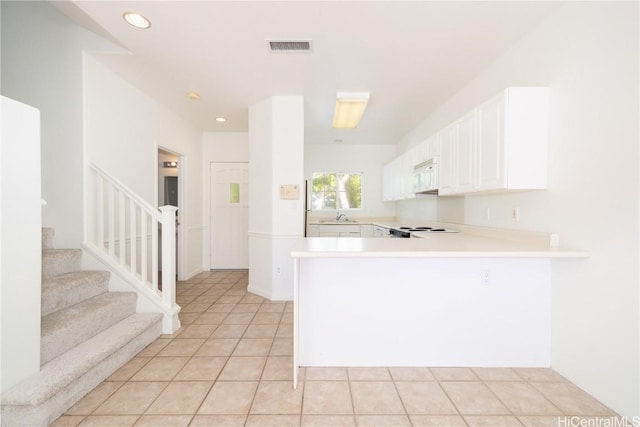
(447, 159)
(397, 175)
(420, 152)
(500, 145)
(457, 159)
(398, 178)
(512, 140)
(380, 231)
(490, 148)
(406, 171)
(387, 182)
(432, 146)
(366, 230)
(339, 230)
(465, 164)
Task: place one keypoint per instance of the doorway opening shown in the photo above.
(170, 191)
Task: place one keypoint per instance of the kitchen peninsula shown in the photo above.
(480, 297)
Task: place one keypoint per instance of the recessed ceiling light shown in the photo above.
(136, 20)
(220, 119)
(193, 95)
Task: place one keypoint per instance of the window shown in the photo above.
(336, 191)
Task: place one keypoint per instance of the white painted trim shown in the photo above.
(258, 292)
(263, 235)
(193, 273)
(126, 276)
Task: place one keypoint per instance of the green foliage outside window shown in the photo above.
(336, 191)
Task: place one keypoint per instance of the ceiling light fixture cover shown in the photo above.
(220, 119)
(349, 109)
(136, 20)
(193, 95)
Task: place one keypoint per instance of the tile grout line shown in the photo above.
(395, 387)
(435, 377)
(353, 403)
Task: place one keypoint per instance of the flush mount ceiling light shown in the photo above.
(136, 20)
(349, 109)
(220, 119)
(193, 95)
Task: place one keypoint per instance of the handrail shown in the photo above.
(142, 202)
(134, 239)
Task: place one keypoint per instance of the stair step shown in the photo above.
(68, 289)
(47, 237)
(60, 261)
(67, 328)
(45, 396)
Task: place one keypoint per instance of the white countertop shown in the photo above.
(432, 245)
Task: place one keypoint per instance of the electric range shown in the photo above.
(405, 232)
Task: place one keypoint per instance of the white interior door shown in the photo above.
(229, 204)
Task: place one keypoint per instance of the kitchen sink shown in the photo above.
(333, 221)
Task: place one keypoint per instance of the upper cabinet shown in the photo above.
(447, 138)
(513, 140)
(397, 175)
(458, 166)
(500, 145)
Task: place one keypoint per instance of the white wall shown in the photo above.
(123, 130)
(368, 159)
(587, 54)
(218, 147)
(424, 208)
(20, 242)
(42, 66)
(276, 154)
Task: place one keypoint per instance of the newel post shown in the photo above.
(170, 323)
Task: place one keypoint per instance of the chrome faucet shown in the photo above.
(339, 215)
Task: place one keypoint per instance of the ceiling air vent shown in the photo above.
(295, 46)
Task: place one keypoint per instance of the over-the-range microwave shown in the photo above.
(425, 176)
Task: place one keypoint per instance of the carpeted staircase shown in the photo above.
(87, 333)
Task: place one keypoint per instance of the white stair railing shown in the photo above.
(134, 239)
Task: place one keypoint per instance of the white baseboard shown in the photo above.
(193, 273)
(260, 292)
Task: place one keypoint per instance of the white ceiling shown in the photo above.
(411, 56)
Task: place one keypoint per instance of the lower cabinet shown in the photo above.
(334, 230)
(380, 232)
(340, 230)
(366, 230)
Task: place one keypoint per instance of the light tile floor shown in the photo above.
(231, 365)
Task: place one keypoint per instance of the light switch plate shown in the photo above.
(289, 192)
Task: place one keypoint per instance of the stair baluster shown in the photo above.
(145, 232)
